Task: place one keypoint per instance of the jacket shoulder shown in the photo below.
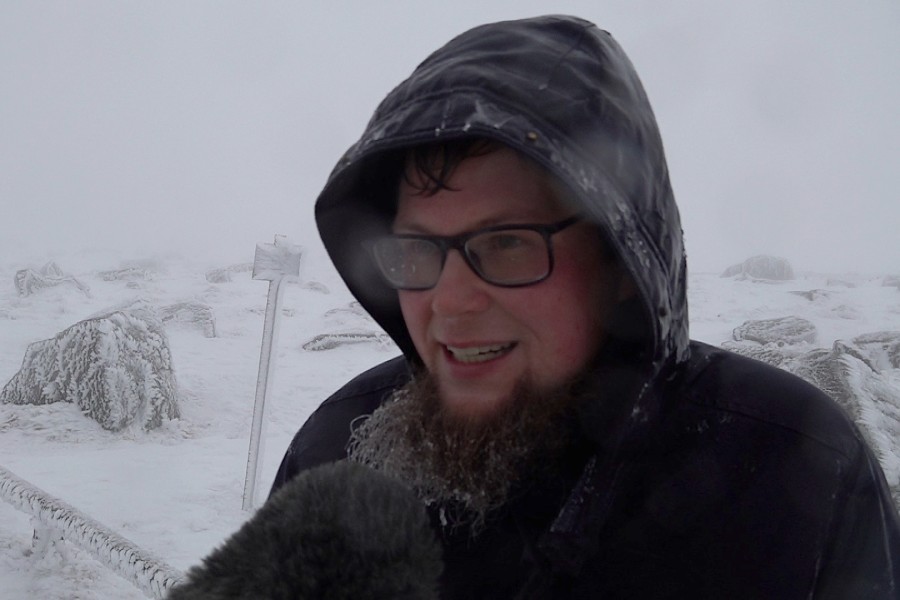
(725, 381)
(385, 376)
(324, 436)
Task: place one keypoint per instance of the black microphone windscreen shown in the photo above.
(337, 531)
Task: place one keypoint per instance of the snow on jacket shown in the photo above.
(711, 475)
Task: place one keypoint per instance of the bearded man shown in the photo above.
(507, 218)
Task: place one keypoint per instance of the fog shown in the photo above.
(203, 128)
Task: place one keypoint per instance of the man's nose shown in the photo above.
(459, 289)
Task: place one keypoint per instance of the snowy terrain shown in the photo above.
(176, 491)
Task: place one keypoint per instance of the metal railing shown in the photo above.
(150, 574)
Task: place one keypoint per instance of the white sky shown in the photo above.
(207, 127)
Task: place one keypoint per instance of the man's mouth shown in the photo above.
(477, 354)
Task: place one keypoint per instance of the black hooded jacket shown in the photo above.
(710, 475)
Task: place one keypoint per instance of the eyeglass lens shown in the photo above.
(505, 257)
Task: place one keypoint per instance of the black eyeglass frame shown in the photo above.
(458, 243)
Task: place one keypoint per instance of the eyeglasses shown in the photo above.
(504, 255)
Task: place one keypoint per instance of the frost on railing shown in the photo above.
(150, 574)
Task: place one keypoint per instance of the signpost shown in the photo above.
(273, 263)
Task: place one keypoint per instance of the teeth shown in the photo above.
(475, 354)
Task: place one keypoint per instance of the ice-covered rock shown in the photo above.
(134, 273)
(193, 314)
(837, 282)
(881, 349)
(116, 367)
(857, 376)
(814, 295)
(762, 267)
(867, 395)
(846, 311)
(225, 274)
(353, 310)
(349, 324)
(129, 274)
(767, 353)
(315, 286)
(29, 281)
(784, 330)
(329, 341)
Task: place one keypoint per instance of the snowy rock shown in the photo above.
(845, 311)
(868, 397)
(881, 349)
(51, 269)
(891, 281)
(834, 282)
(353, 309)
(329, 341)
(814, 295)
(762, 267)
(116, 367)
(786, 330)
(768, 353)
(129, 274)
(349, 324)
(193, 314)
(315, 286)
(856, 376)
(29, 281)
(825, 369)
(225, 274)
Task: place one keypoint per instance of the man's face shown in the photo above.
(479, 340)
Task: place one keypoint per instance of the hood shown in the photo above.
(558, 90)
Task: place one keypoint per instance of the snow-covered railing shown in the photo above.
(151, 575)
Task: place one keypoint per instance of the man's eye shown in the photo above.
(419, 248)
(505, 241)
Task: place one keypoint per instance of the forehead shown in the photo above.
(500, 186)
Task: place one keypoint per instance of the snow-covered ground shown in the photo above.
(176, 491)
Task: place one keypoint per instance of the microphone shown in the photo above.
(337, 531)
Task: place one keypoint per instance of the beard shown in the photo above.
(467, 468)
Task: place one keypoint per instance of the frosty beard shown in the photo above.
(465, 467)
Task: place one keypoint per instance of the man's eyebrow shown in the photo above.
(415, 227)
(408, 227)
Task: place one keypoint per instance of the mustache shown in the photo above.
(338, 531)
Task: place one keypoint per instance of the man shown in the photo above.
(507, 218)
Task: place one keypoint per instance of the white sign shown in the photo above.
(274, 263)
